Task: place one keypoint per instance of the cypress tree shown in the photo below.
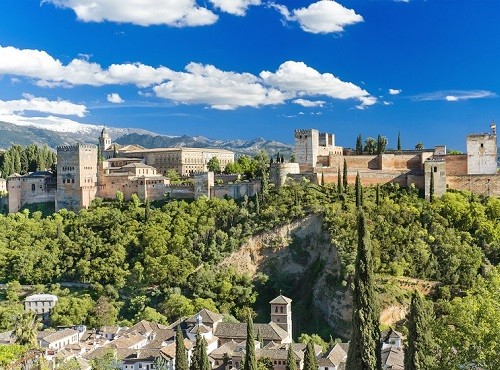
(180, 351)
(196, 361)
(377, 195)
(359, 145)
(431, 186)
(204, 361)
(345, 176)
(358, 190)
(322, 179)
(290, 359)
(419, 352)
(147, 210)
(257, 204)
(339, 181)
(259, 338)
(399, 141)
(310, 360)
(250, 361)
(364, 347)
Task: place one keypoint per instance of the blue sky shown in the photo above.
(246, 68)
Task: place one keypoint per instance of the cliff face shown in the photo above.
(301, 262)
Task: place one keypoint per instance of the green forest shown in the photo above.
(161, 261)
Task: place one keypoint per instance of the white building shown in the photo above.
(41, 304)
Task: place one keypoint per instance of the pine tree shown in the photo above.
(431, 186)
(399, 141)
(310, 360)
(250, 361)
(359, 145)
(364, 347)
(290, 359)
(345, 176)
(358, 190)
(419, 352)
(180, 351)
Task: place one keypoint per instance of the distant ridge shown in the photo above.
(249, 147)
(55, 131)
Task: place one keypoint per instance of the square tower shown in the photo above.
(281, 313)
(306, 146)
(76, 176)
(482, 153)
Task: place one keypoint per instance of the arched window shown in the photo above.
(33, 187)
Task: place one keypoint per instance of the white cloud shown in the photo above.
(395, 91)
(455, 95)
(205, 84)
(199, 84)
(115, 98)
(324, 16)
(301, 80)
(236, 7)
(387, 103)
(309, 103)
(177, 13)
(50, 72)
(33, 104)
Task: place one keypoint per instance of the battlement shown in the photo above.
(75, 148)
(307, 131)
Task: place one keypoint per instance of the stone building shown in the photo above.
(435, 172)
(313, 148)
(482, 152)
(41, 304)
(130, 176)
(76, 176)
(476, 171)
(34, 187)
(185, 161)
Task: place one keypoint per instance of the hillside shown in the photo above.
(249, 147)
(55, 131)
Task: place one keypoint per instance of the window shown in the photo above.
(276, 309)
(32, 187)
(435, 169)
(281, 309)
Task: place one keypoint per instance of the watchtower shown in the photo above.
(281, 312)
(482, 152)
(76, 176)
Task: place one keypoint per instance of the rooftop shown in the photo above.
(41, 298)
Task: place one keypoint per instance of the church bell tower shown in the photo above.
(281, 313)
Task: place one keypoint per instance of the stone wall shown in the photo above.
(237, 190)
(279, 171)
(30, 189)
(479, 184)
(456, 165)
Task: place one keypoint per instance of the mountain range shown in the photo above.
(55, 131)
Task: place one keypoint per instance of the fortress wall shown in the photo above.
(236, 191)
(180, 191)
(374, 177)
(456, 164)
(108, 191)
(362, 162)
(401, 162)
(479, 184)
